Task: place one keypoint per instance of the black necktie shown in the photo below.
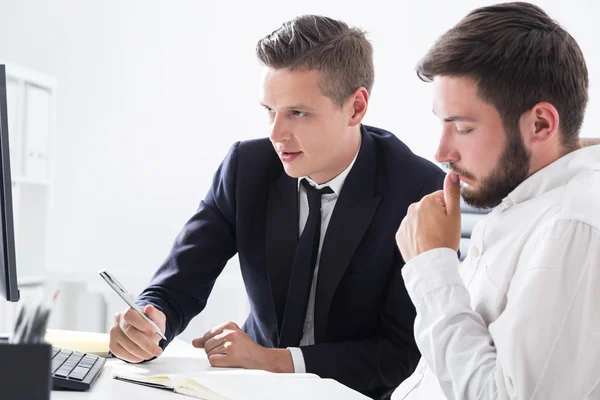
(303, 270)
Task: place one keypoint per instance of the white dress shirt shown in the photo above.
(520, 318)
(327, 205)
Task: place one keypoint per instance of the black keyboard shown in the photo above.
(73, 370)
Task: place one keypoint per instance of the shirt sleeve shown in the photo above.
(545, 344)
(298, 360)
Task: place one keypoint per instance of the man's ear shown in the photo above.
(360, 102)
(540, 124)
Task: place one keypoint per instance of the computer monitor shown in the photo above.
(8, 269)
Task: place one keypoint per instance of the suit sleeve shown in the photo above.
(181, 286)
(377, 365)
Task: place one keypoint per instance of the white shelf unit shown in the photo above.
(31, 100)
(31, 126)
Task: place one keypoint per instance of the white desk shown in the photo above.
(182, 358)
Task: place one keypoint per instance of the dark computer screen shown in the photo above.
(8, 270)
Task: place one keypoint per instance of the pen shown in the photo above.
(124, 294)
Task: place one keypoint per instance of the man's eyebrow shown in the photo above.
(292, 107)
(456, 118)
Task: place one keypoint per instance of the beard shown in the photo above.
(512, 169)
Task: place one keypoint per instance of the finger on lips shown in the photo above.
(452, 193)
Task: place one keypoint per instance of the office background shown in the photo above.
(151, 94)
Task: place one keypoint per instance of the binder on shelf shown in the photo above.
(36, 132)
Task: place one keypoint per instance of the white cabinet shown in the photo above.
(31, 98)
(37, 122)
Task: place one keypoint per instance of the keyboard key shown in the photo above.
(56, 363)
(62, 372)
(66, 352)
(69, 364)
(86, 364)
(60, 357)
(78, 373)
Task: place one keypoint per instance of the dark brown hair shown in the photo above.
(342, 55)
(518, 56)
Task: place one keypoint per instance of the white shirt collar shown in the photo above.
(556, 174)
(336, 183)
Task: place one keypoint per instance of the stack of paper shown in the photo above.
(85, 342)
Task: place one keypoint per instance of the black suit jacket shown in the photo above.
(363, 315)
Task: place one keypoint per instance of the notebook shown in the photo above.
(176, 383)
(229, 384)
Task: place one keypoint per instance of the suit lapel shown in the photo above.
(352, 215)
(281, 239)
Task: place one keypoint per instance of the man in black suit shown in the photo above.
(312, 214)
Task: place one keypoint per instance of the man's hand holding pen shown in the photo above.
(134, 339)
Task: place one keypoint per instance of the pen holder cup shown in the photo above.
(25, 371)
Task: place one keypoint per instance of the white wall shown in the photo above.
(152, 94)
